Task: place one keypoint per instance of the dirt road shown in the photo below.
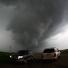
(44, 65)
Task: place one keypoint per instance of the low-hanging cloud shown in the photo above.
(34, 20)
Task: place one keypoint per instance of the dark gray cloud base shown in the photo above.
(34, 20)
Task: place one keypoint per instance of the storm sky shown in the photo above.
(33, 24)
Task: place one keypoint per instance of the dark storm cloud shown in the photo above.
(34, 19)
(8, 2)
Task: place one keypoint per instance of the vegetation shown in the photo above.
(4, 57)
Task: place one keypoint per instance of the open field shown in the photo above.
(61, 63)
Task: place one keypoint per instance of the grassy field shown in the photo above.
(61, 63)
(4, 57)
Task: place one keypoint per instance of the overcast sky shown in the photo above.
(33, 24)
(6, 41)
(5, 17)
